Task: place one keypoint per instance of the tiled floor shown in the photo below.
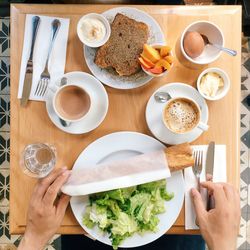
(7, 241)
(10, 242)
(244, 238)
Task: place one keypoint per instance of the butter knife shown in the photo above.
(210, 170)
(29, 68)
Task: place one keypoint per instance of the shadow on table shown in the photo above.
(171, 242)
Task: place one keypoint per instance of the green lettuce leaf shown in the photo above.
(117, 239)
(122, 212)
(165, 195)
(86, 219)
(98, 215)
(124, 224)
(116, 195)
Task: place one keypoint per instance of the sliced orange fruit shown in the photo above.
(163, 63)
(165, 50)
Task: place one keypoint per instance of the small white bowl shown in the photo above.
(158, 46)
(101, 18)
(214, 35)
(222, 91)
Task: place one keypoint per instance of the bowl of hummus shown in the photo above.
(213, 83)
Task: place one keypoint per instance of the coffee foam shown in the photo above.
(181, 115)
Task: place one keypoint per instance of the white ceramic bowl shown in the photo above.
(157, 46)
(99, 43)
(222, 91)
(214, 35)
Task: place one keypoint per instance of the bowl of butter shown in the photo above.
(213, 84)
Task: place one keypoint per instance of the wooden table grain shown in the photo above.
(127, 107)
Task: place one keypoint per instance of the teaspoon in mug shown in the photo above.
(162, 97)
(63, 122)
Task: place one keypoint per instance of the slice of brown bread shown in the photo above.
(124, 46)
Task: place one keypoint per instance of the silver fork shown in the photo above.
(197, 168)
(45, 76)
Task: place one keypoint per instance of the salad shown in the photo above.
(123, 212)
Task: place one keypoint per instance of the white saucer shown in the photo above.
(154, 114)
(99, 105)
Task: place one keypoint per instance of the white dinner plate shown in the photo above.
(99, 103)
(154, 114)
(109, 76)
(118, 146)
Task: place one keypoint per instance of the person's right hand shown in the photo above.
(219, 226)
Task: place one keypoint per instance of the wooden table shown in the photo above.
(32, 124)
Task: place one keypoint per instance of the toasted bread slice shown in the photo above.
(124, 46)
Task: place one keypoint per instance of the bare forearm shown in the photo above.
(27, 243)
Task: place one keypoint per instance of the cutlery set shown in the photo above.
(209, 167)
(45, 75)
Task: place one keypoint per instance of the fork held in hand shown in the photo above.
(45, 76)
(197, 168)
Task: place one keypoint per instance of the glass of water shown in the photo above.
(38, 159)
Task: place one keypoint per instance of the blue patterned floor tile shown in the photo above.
(4, 37)
(4, 113)
(4, 75)
(247, 64)
(245, 138)
(4, 150)
(4, 187)
(5, 238)
(55, 243)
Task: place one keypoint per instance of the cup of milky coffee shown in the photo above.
(71, 102)
(181, 115)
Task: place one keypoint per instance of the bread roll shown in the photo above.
(179, 157)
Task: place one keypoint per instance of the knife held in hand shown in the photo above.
(209, 172)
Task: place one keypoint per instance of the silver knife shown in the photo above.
(29, 68)
(210, 170)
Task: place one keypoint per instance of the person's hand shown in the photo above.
(219, 226)
(46, 210)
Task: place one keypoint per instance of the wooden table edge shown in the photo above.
(77, 230)
(21, 7)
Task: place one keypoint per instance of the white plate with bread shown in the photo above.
(119, 146)
(116, 62)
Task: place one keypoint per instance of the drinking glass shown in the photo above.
(38, 159)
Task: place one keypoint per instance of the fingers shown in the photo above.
(209, 177)
(229, 191)
(218, 192)
(44, 183)
(198, 204)
(62, 204)
(53, 189)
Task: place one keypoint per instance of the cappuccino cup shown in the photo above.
(182, 115)
(71, 102)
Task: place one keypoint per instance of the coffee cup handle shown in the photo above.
(203, 126)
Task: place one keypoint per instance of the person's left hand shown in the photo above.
(46, 210)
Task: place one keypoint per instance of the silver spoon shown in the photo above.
(162, 97)
(63, 122)
(228, 51)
